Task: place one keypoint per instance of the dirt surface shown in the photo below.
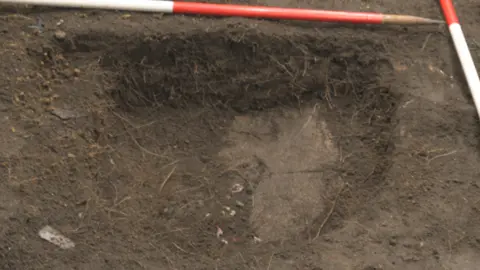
(175, 142)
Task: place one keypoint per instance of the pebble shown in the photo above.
(239, 204)
(392, 242)
(60, 35)
(64, 114)
(55, 237)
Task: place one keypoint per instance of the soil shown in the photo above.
(180, 142)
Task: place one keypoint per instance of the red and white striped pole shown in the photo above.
(462, 51)
(233, 10)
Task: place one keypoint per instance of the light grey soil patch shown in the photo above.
(294, 146)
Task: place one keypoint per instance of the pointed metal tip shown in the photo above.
(406, 19)
(431, 21)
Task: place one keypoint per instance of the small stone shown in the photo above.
(219, 232)
(392, 242)
(236, 188)
(436, 254)
(55, 237)
(256, 239)
(46, 84)
(239, 204)
(60, 35)
(46, 100)
(63, 114)
(70, 155)
(76, 72)
(68, 73)
(204, 158)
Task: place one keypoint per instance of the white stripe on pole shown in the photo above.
(467, 63)
(130, 5)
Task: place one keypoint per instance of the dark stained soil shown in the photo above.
(180, 142)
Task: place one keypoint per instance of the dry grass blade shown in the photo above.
(166, 179)
(123, 119)
(332, 209)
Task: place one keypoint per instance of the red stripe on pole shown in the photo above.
(276, 13)
(449, 11)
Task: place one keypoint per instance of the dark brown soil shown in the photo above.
(356, 146)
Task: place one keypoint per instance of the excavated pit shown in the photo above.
(292, 117)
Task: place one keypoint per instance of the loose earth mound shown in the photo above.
(171, 142)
